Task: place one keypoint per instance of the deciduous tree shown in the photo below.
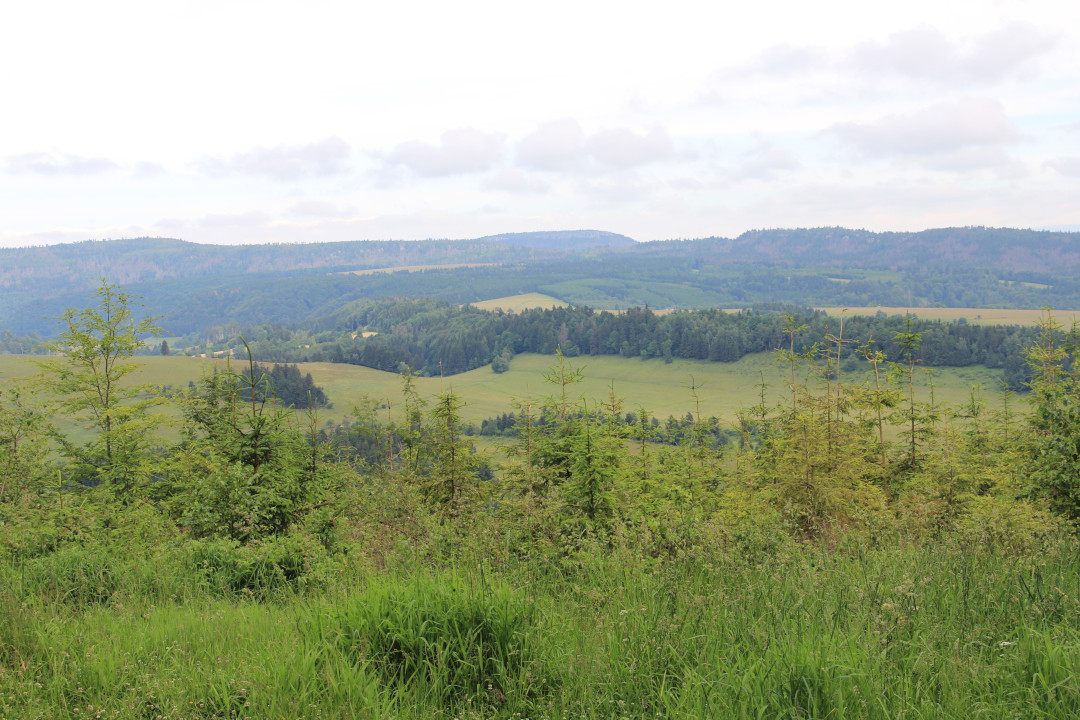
(89, 375)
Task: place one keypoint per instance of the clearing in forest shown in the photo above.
(517, 303)
(977, 316)
(415, 268)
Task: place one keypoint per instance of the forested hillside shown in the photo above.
(1026, 253)
(194, 287)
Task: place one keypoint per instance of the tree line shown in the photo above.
(433, 337)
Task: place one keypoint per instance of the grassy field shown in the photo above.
(978, 316)
(517, 303)
(921, 631)
(618, 294)
(662, 388)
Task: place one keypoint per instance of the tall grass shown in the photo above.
(867, 632)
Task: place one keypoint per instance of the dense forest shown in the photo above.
(851, 551)
(286, 384)
(433, 337)
(195, 287)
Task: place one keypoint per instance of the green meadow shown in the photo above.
(976, 316)
(662, 388)
(517, 303)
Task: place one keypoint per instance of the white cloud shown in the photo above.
(562, 146)
(460, 152)
(925, 54)
(623, 148)
(595, 137)
(515, 181)
(42, 163)
(618, 189)
(322, 158)
(145, 170)
(764, 162)
(922, 54)
(973, 159)
(554, 145)
(944, 127)
(1069, 166)
(1006, 51)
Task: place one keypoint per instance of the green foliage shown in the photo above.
(199, 287)
(260, 569)
(24, 429)
(243, 471)
(97, 345)
(595, 469)
(291, 388)
(927, 630)
(599, 575)
(441, 641)
(1054, 454)
(451, 478)
(914, 415)
(440, 338)
(500, 364)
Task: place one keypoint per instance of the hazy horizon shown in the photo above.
(1045, 228)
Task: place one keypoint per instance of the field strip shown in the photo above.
(517, 303)
(415, 268)
(977, 316)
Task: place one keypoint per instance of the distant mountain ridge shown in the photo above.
(144, 259)
(998, 249)
(563, 240)
(148, 259)
(195, 287)
(1002, 249)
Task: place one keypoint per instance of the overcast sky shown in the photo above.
(234, 121)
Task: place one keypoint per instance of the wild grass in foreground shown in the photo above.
(256, 569)
(857, 632)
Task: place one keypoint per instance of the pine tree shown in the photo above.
(453, 459)
(1054, 455)
(244, 465)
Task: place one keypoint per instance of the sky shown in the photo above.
(251, 122)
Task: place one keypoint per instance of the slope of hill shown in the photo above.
(1000, 249)
(564, 240)
(148, 259)
(196, 287)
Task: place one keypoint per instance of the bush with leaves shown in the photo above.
(1054, 452)
(90, 380)
(24, 429)
(244, 470)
